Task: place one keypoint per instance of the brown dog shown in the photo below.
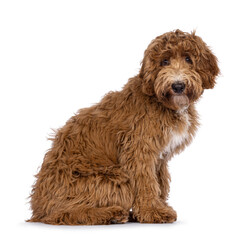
(113, 156)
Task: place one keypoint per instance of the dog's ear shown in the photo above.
(148, 74)
(207, 65)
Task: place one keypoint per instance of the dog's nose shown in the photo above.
(178, 87)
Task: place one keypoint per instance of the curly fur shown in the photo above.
(113, 156)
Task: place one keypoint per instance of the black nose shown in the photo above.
(178, 87)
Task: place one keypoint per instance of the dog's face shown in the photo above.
(176, 69)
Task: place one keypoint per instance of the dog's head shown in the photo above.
(176, 69)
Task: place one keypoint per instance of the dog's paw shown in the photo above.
(119, 215)
(157, 215)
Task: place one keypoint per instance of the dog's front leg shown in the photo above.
(164, 178)
(148, 207)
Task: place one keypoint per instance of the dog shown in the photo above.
(113, 157)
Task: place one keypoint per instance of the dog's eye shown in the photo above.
(76, 173)
(188, 59)
(165, 62)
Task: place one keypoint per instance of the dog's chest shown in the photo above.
(176, 138)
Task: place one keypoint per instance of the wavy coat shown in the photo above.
(113, 156)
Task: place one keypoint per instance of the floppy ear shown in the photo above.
(207, 67)
(148, 73)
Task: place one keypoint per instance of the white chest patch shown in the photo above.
(176, 139)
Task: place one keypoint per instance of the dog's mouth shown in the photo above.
(176, 101)
(180, 101)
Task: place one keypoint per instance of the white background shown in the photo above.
(59, 56)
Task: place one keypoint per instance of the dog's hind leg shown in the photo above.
(102, 198)
(85, 215)
(97, 196)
